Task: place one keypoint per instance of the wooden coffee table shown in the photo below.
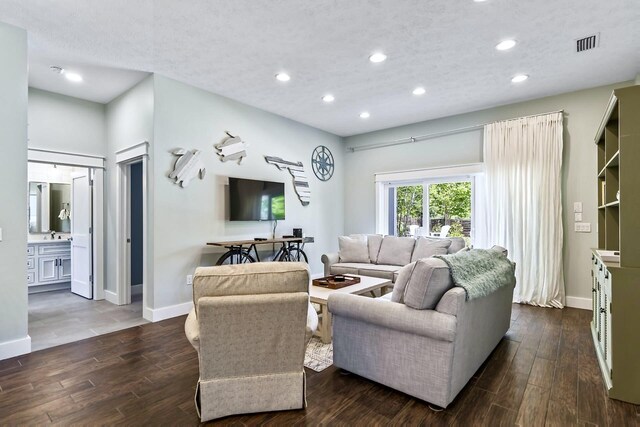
(319, 295)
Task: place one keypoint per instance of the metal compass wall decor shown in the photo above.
(322, 162)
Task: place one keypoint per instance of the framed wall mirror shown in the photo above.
(49, 207)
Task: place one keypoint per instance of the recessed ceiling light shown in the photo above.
(378, 57)
(506, 44)
(479, 1)
(283, 77)
(365, 115)
(419, 91)
(328, 98)
(519, 78)
(73, 77)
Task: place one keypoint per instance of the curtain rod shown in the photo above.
(428, 136)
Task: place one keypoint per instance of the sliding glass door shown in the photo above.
(434, 207)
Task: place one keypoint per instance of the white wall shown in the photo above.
(129, 121)
(63, 123)
(583, 111)
(13, 173)
(187, 218)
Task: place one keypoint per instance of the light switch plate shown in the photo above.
(582, 227)
(0, 234)
(577, 207)
(577, 216)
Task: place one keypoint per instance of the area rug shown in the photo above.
(319, 356)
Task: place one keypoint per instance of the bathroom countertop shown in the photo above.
(47, 242)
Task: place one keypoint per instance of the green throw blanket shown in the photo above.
(480, 271)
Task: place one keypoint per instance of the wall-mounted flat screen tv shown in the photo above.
(252, 200)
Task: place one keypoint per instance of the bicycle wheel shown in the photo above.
(235, 257)
(294, 254)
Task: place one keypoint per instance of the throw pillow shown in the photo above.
(404, 274)
(430, 279)
(396, 250)
(426, 248)
(353, 249)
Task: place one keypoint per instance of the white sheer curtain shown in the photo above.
(523, 160)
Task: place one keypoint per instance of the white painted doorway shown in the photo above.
(81, 235)
(134, 157)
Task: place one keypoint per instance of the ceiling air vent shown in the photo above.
(587, 43)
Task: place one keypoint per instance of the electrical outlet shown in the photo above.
(577, 216)
(189, 279)
(582, 227)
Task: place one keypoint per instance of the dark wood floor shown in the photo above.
(543, 373)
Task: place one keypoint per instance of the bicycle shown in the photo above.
(289, 251)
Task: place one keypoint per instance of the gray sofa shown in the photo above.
(385, 255)
(424, 339)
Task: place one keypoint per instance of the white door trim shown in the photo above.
(133, 152)
(124, 158)
(61, 158)
(98, 234)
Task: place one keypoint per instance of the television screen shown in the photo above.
(251, 200)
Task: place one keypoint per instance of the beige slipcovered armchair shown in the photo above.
(250, 325)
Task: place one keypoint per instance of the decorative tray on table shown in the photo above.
(336, 281)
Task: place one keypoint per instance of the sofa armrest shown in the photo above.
(328, 260)
(452, 301)
(192, 329)
(396, 316)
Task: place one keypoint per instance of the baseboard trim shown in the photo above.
(579, 302)
(15, 348)
(136, 289)
(162, 313)
(110, 296)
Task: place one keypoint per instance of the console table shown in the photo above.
(240, 250)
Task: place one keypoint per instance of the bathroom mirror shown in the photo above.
(49, 207)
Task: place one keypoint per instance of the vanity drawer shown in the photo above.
(54, 248)
(31, 263)
(31, 250)
(31, 277)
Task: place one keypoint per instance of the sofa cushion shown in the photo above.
(381, 271)
(430, 279)
(385, 297)
(400, 284)
(426, 248)
(457, 244)
(396, 250)
(373, 242)
(346, 267)
(353, 248)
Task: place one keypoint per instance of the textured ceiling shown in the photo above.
(234, 48)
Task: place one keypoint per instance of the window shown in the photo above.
(429, 206)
